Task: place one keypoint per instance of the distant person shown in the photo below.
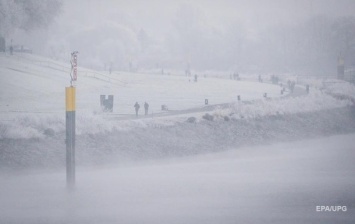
(2, 44)
(11, 49)
(136, 107)
(292, 86)
(146, 107)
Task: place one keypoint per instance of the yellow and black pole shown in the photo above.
(70, 135)
(70, 125)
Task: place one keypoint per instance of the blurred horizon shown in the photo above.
(259, 36)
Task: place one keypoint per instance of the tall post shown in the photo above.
(70, 135)
(70, 122)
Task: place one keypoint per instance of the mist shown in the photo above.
(247, 36)
(279, 183)
(225, 111)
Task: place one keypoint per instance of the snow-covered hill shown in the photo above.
(31, 83)
(32, 124)
(245, 161)
(32, 98)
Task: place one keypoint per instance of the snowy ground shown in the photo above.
(32, 98)
(36, 85)
(278, 183)
(258, 161)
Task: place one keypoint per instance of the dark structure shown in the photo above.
(136, 107)
(2, 44)
(274, 79)
(106, 104)
(146, 108)
(164, 107)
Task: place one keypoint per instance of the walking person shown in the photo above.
(146, 107)
(136, 107)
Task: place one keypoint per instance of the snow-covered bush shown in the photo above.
(314, 101)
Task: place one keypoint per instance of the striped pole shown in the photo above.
(70, 135)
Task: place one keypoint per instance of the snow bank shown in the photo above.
(31, 126)
(315, 101)
(180, 139)
(329, 85)
(341, 89)
(37, 126)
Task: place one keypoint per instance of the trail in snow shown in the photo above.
(298, 91)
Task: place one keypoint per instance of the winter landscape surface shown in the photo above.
(259, 160)
(251, 116)
(277, 183)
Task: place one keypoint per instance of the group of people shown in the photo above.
(235, 76)
(291, 85)
(137, 106)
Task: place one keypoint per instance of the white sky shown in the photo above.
(156, 15)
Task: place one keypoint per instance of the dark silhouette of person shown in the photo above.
(146, 107)
(136, 106)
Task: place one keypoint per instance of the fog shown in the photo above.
(246, 121)
(247, 36)
(278, 183)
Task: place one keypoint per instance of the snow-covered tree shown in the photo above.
(105, 44)
(343, 30)
(27, 14)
